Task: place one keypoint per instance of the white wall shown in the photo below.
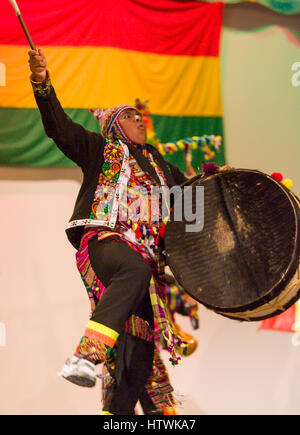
(261, 106)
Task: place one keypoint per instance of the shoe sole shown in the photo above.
(80, 380)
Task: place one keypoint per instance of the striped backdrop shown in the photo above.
(281, 6)
(101, 53)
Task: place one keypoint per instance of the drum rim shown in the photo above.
(260, 318)
(290, 271)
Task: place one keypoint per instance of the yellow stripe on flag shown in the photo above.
(91, 77)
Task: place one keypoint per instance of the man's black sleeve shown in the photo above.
(77, 143)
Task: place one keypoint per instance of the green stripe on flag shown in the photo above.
(23, 141)
(172, 128)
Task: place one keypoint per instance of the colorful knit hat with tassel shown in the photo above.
(108, 121)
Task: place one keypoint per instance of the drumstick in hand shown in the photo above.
(18, 13)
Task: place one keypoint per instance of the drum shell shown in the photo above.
(248, 310)
(272, 308)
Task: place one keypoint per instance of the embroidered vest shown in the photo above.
(112, 185)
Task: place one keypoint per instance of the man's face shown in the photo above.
(133, 125)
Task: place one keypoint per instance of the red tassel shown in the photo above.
(138, 233)
(162, 231)
(277, 175)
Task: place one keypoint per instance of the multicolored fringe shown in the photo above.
(139, 328)
(107, 379)
(164, 322)
(159, 388)
(180, 302)
(174, 298)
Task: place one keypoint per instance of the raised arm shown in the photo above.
(77, 143)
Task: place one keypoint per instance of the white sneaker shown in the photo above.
(80, 371)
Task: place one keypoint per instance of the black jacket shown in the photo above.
(85, 148)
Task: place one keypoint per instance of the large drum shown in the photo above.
(244, 262)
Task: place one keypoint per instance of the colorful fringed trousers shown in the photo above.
(120, 331)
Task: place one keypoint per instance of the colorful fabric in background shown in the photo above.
(104, 53)
(288, 321)
(208, 145)
(282, 6)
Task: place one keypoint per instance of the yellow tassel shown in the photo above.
(287, 182)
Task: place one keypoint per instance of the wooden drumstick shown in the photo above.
(18, 13)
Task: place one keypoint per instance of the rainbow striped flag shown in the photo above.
(101, 53)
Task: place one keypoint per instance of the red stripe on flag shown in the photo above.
(156, 26)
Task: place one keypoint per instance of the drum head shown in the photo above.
(248, 248)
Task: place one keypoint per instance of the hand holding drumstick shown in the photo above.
(38, 65)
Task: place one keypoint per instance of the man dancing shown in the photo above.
(118, 255)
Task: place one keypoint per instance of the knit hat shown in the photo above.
(108, 121)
